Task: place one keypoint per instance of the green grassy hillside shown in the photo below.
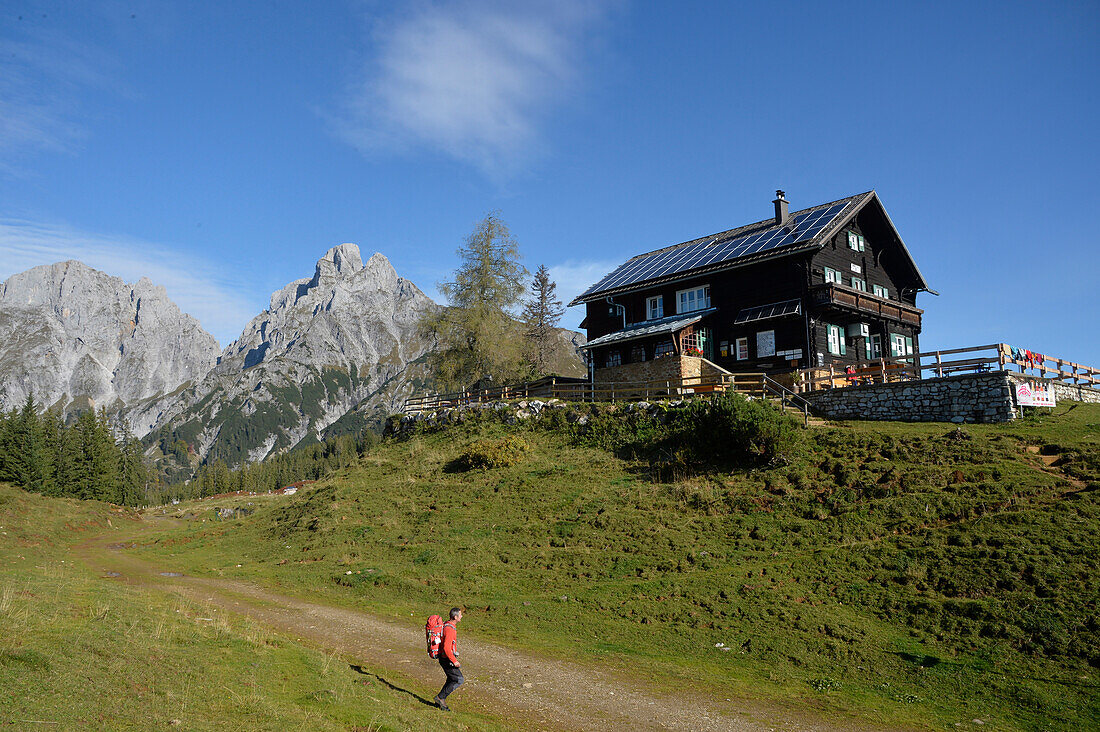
(82, 650)
(905, 574)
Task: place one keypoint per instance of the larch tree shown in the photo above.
(541, 313)
(476, 335)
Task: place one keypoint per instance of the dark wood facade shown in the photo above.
(821, 316)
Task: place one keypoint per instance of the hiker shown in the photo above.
(448, 659)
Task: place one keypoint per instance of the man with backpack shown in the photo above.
(448, 659)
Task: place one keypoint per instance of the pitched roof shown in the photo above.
(804, 230)
(650, 327)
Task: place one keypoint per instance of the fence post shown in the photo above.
(939, 364)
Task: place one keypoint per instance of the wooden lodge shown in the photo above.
(824, 287)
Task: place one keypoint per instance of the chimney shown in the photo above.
(782, 212)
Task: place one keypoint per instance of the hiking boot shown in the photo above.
(441, 704)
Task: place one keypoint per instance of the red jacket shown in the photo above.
(450, 642)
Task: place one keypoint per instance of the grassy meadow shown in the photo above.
(901, 574)
(79, 650)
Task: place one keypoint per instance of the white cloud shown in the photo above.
(573, 278)
(201, 289)
(471, 79)
(43, 78)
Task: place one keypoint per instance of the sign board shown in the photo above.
(791, 355)
(765, 343)
(1035, 394)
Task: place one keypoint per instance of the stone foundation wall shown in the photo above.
(666, 368)
(659, 369)
(1076, 393)
(965, 398)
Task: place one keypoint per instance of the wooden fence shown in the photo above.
(931, 364)
(748, 384)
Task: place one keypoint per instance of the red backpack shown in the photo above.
(433, 633)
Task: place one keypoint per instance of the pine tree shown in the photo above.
(23, 446)
(541, 314)
(477, 334)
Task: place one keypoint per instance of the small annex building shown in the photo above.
(833, 284)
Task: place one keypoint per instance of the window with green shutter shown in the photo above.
(834, 336)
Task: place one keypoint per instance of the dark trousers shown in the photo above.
(454, 677)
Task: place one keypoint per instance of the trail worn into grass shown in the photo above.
(522, 690)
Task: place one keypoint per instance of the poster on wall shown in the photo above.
(1035, 394)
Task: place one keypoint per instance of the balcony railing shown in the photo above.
(831, 293)
(949, 362)
(747, 384)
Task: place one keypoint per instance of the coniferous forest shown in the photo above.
(91, 458)
(84, 459)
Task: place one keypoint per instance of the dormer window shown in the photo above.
(697, 298)
(855, 242)
(655, 307)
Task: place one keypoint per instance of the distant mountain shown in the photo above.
(75, 338)
(333, 353)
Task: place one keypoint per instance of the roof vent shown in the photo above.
(782, 208)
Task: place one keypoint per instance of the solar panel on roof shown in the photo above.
(803, 227)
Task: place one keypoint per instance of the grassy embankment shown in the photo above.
(81, 651)
(889, 572)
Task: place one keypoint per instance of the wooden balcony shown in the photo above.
(832, 294)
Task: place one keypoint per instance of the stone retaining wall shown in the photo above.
(1075, 393)
(667, 368)
(964, 398)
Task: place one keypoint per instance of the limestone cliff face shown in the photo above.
(76, 337)
(332, 352)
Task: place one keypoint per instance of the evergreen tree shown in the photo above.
(477, 334)
(541, 314)
(26, 461)
(133, 474)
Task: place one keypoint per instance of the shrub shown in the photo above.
(486, 454)
(731, 430)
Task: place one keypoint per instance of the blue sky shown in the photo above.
(222, 148)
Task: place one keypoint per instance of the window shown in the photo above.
(614, 358)
(637, 353)
(697, 298)
(742, 349)
(655, 308)
(765, 343)
(900, 345)
(834, 335)
(691, 344)
(831, 275)
(859, 284)
(874, 346)
(855, 242)
(881, 291)
(663, 348)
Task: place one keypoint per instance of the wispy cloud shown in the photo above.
(199, 288)
(43, 79)
(472, 79)
(573, 278)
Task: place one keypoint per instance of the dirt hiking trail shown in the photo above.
(523, 691)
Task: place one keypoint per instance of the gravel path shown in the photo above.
(525, 691)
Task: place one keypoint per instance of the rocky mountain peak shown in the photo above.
(340, 346)
(76, 337)
(340, 261)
